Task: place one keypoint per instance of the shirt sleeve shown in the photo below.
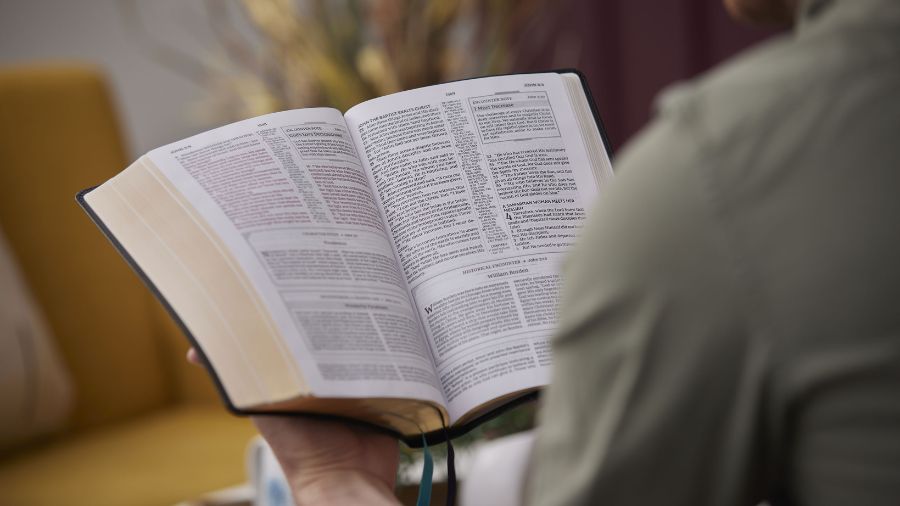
(657, 381)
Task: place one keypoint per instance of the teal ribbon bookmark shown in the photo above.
(427, 474)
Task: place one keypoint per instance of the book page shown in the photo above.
(287, 196)
(484, 185)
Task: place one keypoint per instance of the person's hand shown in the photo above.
(329, 462)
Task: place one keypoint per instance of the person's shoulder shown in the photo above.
(745, 94)
(779, 83)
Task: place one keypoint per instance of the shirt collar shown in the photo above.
(830, 12)
(809, 9)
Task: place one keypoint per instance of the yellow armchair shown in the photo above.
(146, 428)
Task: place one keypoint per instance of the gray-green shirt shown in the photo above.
(730, 327)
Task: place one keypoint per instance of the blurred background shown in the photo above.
(179, 67)
(100, 405)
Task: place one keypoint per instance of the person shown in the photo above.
(729, 330)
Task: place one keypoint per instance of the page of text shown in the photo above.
(287, 195)
(484, 185)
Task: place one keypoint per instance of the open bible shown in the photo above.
(396, 264)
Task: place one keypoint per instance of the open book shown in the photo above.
(397, 264)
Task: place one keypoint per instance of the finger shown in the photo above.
(193, 357)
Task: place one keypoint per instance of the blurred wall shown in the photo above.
(153, 102)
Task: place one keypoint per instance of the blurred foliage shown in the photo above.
(338, 53)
